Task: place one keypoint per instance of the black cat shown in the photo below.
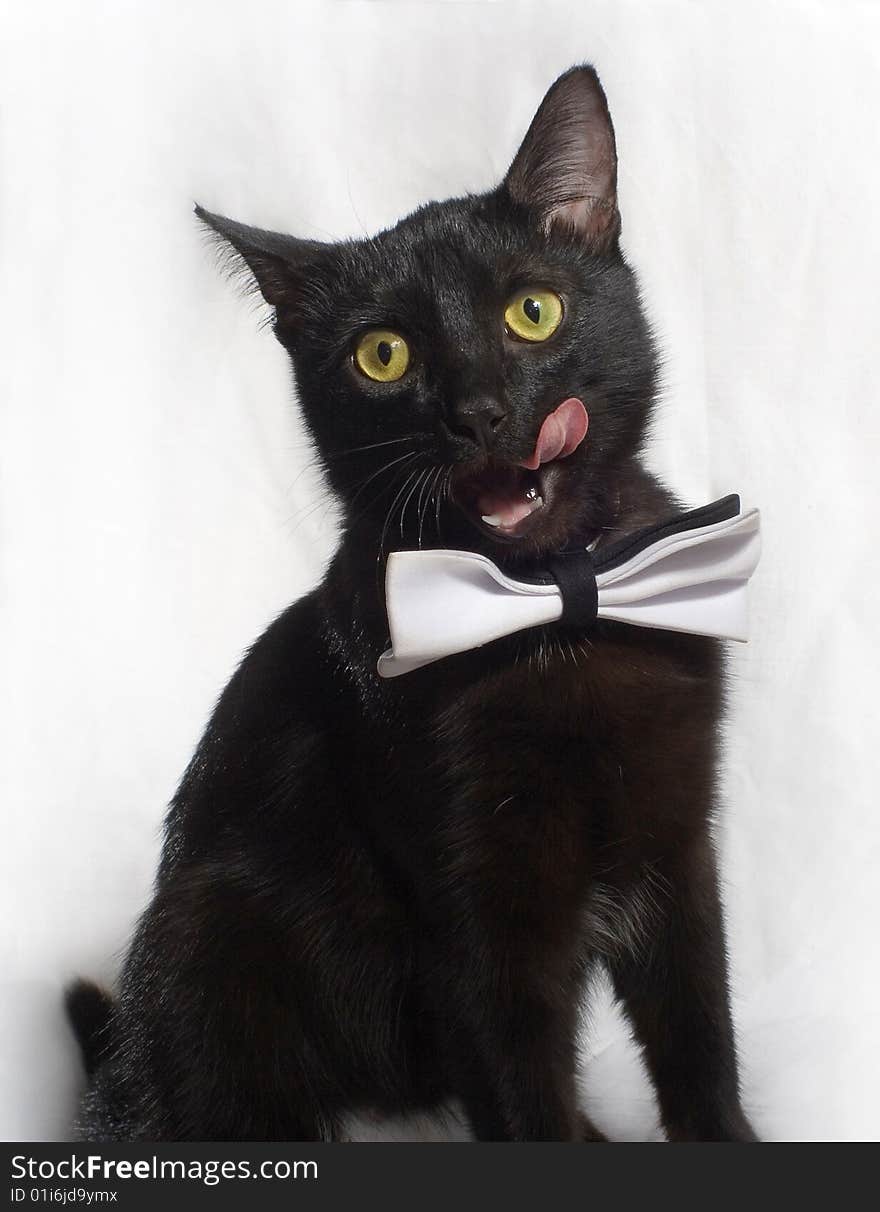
(380, 895)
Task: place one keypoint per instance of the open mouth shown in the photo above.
(506, 499)
(502, 497)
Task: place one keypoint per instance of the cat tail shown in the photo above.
(90, 1011)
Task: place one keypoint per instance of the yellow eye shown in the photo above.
(533, 315)
(382, 355)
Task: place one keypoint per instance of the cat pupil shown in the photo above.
(532, 308)
(383, 352)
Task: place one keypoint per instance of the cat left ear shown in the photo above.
(274, 260)
(565, 172)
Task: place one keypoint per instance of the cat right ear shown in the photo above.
(565, 172)
(274, 260)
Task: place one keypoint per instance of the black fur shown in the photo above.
(380, 895)
(90, 1011)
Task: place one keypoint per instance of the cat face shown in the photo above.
(479, 373)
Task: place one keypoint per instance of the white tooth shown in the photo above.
(537, 503)
(492, 519)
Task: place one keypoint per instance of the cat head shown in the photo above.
(481, 373)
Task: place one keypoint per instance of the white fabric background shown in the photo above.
(158, 507)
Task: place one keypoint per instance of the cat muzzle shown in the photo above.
(503, 497)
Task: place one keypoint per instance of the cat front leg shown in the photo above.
(508, 1038)
(515, 1078)
(675, 992)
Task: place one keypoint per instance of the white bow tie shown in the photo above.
(687, 574)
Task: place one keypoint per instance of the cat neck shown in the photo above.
(357, 576)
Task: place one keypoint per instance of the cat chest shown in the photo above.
(561, 689)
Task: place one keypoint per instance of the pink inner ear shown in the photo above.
(565, 171)
(594, 219)
(560, 434)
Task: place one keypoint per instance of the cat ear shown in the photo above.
(274, 260)
(565, 172)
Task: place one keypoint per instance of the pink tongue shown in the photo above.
(562, 432)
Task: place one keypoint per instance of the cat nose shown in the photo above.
(479, 419)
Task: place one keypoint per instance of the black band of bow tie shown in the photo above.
(575, 575)
(575, 571)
